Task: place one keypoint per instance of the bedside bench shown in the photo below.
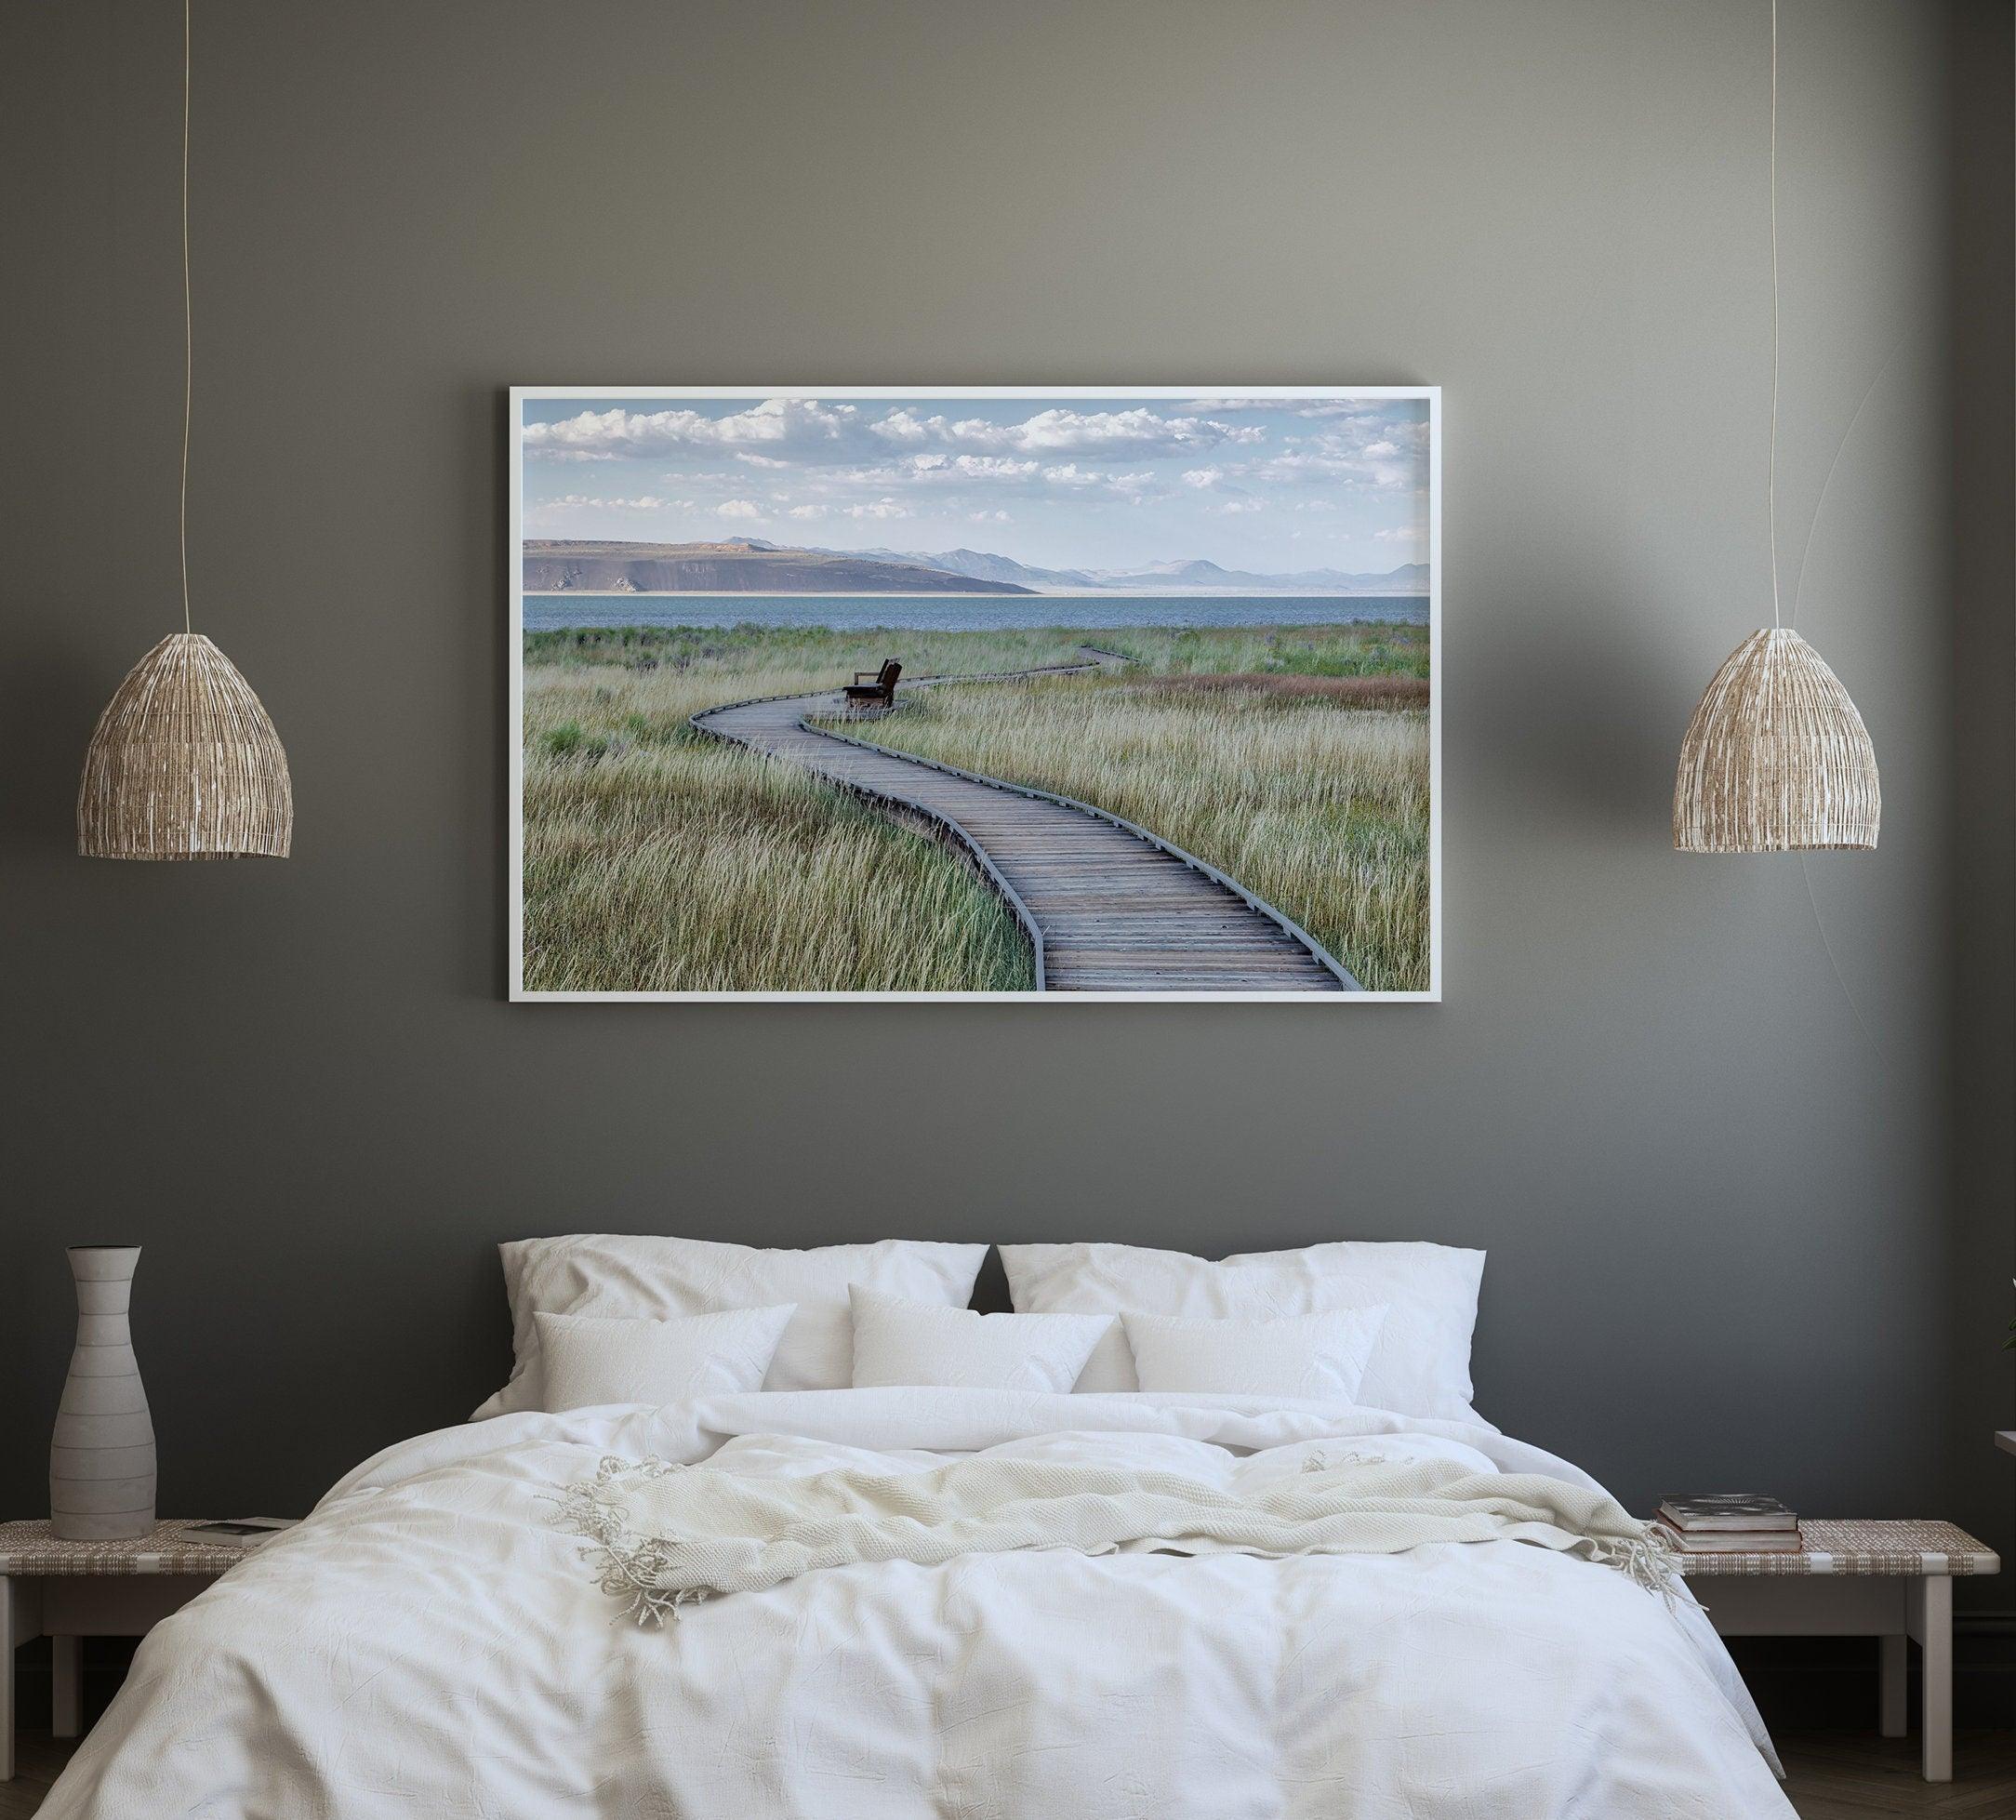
(1888, 1580)
(68, 1590)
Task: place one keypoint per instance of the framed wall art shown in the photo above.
(1044, 693)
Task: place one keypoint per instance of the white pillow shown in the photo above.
(1300, 1355)
(1421, 1365)
(607, 1273)
(897, 1342)
(589, 1359)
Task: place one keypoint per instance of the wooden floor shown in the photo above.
(1849, 1775)
(1117, 913)
(38, 1760)
(1833, 1776)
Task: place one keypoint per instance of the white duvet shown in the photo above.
(432, 1642)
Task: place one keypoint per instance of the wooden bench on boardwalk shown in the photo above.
(882, 689)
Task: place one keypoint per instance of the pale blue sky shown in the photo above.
(1274, 485)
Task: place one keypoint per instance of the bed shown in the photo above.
(446, 1635)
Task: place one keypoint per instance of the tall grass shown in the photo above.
(1322, 810)
(1369, 648)
(656, 859)
(660, 860)
(825, 655)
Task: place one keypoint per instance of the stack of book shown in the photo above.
(245, 1532)
(1729, 1523)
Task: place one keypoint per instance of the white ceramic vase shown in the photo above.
(101, 1458)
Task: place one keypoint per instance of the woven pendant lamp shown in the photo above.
(184, 762)
(1776, 759)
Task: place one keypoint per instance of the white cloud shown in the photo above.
(1207, 480)
(583, 502)
(1138, 432)
(1398, 534)
(1304, 408)
(1070, 475)
(970, 467)
(979, 471)
(932, 469)
(1371, 451)
(1065, 465)
(1336, 466)
(905, 426)
(789, 426)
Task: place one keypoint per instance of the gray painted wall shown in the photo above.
(1736, 1131)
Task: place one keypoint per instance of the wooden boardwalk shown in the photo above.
(1109, 907)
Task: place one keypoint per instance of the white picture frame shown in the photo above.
(698, 401)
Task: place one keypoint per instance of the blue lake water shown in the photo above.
(963, 612)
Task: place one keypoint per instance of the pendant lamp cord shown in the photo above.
(1806, 876)
(189, 349)
(1770, 484)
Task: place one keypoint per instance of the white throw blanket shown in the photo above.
(663, 1536)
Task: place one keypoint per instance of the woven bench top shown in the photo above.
(1912, 1548)
(1852, 1546)
(28, 1548)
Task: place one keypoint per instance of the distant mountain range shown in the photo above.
(1409, 579)
(983, 566)
(749, 566)
(739, 565)
(1159, 577)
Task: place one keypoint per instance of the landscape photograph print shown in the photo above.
(1043, 693)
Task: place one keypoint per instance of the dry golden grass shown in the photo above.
(1319, 810)
(659, 861)
(656, 859)
(1346, 691)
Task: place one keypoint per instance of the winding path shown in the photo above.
(1108, 907)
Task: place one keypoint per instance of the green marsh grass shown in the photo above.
(1370, 648)
(1296, 759)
